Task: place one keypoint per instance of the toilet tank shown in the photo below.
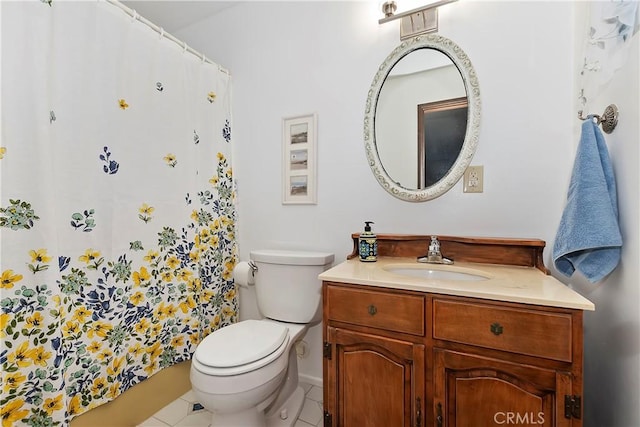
(287, 284)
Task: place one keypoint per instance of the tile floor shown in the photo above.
(179, 413)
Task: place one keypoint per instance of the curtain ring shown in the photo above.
(184, 47)
(134, 16)
(203, 58)
(161, 33)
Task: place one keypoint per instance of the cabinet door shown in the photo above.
(373, 381)
(475, 391)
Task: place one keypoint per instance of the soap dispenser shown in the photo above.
(368, 244)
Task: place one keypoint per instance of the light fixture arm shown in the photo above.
(412, 11)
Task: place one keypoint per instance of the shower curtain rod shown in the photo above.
(136, 16)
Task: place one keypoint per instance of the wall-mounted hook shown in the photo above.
(608, 120)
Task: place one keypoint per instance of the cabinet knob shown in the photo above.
(496, 328)
(439, 415)
(372, 309)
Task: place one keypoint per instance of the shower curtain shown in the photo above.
(117, 207)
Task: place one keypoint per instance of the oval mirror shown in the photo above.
(422, 118)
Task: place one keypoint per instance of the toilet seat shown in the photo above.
(241, 347)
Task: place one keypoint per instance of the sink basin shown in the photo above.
(430, 273)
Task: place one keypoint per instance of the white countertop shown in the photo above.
(504, 283)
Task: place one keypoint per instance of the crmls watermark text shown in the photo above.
(517, 418)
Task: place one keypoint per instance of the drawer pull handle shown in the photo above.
(496, 328)
(372, 310)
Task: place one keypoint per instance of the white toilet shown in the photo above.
(247, 373)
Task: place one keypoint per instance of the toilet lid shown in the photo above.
(241, 343)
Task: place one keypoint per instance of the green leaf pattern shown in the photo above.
(117, 215)
(107, 324)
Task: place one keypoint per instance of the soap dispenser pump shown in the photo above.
(368, 244)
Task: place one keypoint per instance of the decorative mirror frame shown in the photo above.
(463, 63)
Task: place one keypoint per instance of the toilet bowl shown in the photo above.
(246, 374)
(238, 395)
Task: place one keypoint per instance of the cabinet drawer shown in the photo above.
(530, 332)
(382, 310)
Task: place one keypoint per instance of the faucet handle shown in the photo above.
(434, 245)
(434, 256)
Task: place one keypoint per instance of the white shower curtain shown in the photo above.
(117, 207)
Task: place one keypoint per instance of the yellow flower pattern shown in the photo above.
(139, 277)
(94, 347)
(91, 258)
(8, 279)
(12, 412)
(151, 256)
(53, 404)
(39, 256)
(136, 298)
(85, 318)
(125, 319)
(145, 211)
(41, 356)
(170, 160)
(13, 380)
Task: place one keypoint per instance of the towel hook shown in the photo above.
(609, 118)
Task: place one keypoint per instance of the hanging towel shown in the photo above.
(588, 238)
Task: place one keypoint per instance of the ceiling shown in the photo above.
(174, 15)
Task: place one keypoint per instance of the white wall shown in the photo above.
(292, 58)
(612, 332)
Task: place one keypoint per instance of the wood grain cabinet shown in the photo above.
(395, 358)
(505, 364)
(374, 358)
(415, 353)
(379, 381)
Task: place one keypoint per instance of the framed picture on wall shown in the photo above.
(299, 160)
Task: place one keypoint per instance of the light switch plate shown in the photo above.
(473, 179)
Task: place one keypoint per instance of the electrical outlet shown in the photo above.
(473, 179)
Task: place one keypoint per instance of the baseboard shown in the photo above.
(141, 401)
(310, 380)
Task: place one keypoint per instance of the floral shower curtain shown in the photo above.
(117, 207)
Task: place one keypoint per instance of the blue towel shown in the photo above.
(588, 238)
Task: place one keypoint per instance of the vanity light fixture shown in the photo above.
(420, 20)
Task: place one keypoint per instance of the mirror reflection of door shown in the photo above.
(443, 124)
(421, 77)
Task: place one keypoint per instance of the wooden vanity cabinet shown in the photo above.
(474, 391)
(377, 381)
(405, 358)
(398, 357)
(374, 357)
(498, 363)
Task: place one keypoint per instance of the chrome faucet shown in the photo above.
(434, 256)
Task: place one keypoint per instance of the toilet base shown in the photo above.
(284, 416)
(252, 417)
(290, 409)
